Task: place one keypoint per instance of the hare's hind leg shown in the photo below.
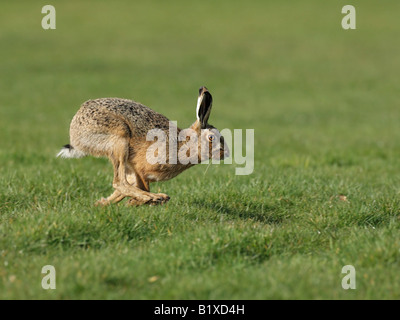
(140, 194)
(118, 156)
(115, 197)
(118, 160)
(126, 182)
(139, 197)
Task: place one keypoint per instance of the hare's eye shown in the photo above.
(211, 138)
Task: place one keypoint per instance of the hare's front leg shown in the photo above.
(143, 184)
(140, 196)
(126, 182)
(130, 184)
(137, 190)
(142, 193)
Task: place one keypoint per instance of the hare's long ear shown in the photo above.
(204, 105)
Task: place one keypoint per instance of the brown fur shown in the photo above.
(116, 128)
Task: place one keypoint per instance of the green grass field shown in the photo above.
(324, 103)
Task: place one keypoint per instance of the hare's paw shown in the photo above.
(157, 198)
(162, 197)
(151, 199)
(134, 202)
(102, 202)
(138, 200)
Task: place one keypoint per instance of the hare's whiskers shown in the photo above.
(209, 163)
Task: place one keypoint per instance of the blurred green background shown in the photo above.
(324, 103)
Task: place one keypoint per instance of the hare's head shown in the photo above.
(210, 142)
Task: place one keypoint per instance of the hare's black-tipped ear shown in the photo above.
(204, 105)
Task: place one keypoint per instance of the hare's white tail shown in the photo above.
(68, 151)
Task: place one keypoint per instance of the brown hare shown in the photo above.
(118, 129)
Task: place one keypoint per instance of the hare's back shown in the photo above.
(137, 116)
